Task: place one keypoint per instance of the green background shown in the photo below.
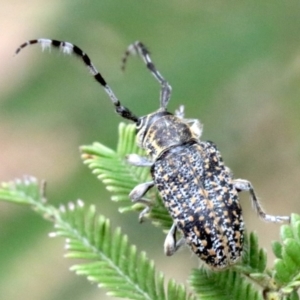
(235, 65)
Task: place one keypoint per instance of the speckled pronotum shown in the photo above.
(197, 189)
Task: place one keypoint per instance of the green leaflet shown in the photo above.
(120, 178)
(223, 285)
(287, 264)
(254, 260)
(112, 262)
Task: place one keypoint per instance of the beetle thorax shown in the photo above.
(160, 131)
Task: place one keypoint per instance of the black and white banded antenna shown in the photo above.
(69, 48)
(140, 49)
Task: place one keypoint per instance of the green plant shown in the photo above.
(116, 265)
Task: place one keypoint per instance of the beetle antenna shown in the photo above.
(69, 48)
(140, 48)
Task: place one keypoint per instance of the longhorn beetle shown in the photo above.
(197, 189)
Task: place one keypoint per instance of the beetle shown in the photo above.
(198, 190)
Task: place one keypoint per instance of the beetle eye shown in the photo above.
(139, 124)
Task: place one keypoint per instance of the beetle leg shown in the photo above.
(171, 245)
(146, 210)
(140, 190)
(245, 185)
(136, 196)
(138, 161)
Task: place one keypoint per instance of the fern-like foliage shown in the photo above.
(112, 262)
(247, 280)
(120, 177)
(287, 265)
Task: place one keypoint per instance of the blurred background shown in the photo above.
(234, 65)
